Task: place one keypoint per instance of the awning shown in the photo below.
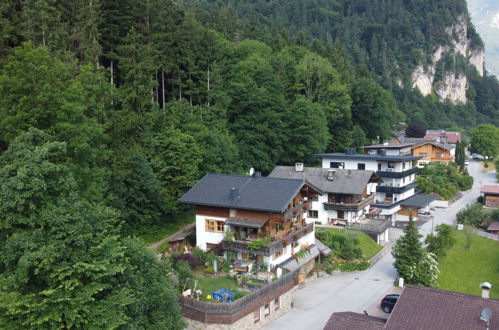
(323, 248)
(252, 223)
(295, 264)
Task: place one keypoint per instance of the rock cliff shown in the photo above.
(449, 81)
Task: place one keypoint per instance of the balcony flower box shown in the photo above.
(307, 206)
(293, 256)
(308, 229)
(286, 240)
(297, 235)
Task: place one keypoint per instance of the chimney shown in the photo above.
(485, 289)
(331, 174)
(234, 194)
(299, 167)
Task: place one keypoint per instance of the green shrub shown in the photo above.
(183, 270)
(163, 247)
(200, 255)
(209, 270)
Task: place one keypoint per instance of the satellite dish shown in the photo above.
(251, 171)
(486, 314)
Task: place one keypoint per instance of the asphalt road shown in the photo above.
(356, 292)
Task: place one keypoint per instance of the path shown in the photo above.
(358, 291)
(155, 245)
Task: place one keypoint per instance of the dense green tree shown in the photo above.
(307, 131)
(374, 109)
(62, 261)
(37, 90)
(414, 130)
(485, 140)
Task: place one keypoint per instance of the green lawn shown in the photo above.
(210, 284)
(368, 246)
(462, 269)
(153, 233)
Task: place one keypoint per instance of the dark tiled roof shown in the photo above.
(345, 181)
(419, 200)
(493, 226)
(405, 144)
(354, 321)
(255, 193)
(422, 308)
(368, 157)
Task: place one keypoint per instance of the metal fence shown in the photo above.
(241, 303)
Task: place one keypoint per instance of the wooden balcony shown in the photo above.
(276, 245)
(349, 207)
(297, 210)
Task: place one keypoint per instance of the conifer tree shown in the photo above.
(408, 251)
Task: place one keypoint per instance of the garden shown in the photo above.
(207, 277)
(475, 215)
(443, 179)
(352, 249)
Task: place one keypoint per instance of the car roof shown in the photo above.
(392, 295)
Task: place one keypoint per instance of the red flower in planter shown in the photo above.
(286, 240)
(293, 256)
(297, 235)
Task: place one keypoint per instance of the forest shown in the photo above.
(111, 109)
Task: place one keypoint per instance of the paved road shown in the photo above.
(358, 291)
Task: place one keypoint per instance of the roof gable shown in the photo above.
(255, 193)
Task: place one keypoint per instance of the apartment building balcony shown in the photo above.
(349, 207)
(373, 226)
(395, 189)
(277, 244)
(392, 174)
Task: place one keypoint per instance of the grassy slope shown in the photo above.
(366, 244)
(463, 269)
(154, 233)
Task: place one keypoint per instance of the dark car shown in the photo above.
(389, 302)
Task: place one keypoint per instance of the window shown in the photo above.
(256, 315)
(214, 226)
(276, 303)
(341, 214)
(379, 166)
(279, 253)
(361, 166)
(313, 214)
(391, 165)
(403, 166)
(266, 310)
(314, 198)
(439, 154)
(424, 154)
(336, 165)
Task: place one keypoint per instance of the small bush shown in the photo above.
(209, 270)
(163, 248)
(200, 255)
(187, 257)
(183, 270)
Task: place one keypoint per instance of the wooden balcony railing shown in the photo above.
(353, 207)
(273, 247)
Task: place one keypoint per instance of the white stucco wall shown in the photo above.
(202, 236)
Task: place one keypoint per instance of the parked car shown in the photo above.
(389, 302)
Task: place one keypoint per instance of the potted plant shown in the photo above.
(297, 235)
(286, 240)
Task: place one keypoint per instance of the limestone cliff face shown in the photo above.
(450, 85)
